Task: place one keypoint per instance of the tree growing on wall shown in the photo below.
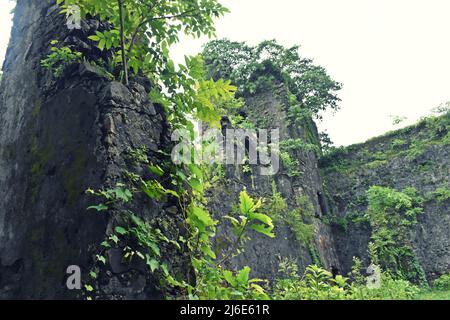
(250, 68)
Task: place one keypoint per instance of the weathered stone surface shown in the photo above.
(268, 110)
(416, 156)
(59, 137)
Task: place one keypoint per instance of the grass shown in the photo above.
(433, 295)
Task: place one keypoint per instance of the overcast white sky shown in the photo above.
(393, 56)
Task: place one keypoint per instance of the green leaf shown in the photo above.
(120, 230)
(105, 244)
(88, 287)
(165, 269)
(263, 230)
(196, 185)
(262, 217)
(202, 216)
(246, 203)
(242, 277)
(156, 170)
(233, 220)
(94, 38)
(114, 238)
(196, 170)
(228, 276)
(99, 207)
(101, 44)
(152, 263)
(207, 250)
(123, 194)
(101, 259)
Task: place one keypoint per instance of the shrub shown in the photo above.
(442, 283)
(316, 284)
(390, 289)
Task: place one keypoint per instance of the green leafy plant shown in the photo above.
(300, 221)
(391, 215)
(441, 194)
(60, 58)
(316, 284)
(442, 283)
(142, 30)
(390, 289)
(213, 281)
(119, 194)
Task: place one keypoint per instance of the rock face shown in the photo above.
(58, 137)
(268, 110)
(416, 156)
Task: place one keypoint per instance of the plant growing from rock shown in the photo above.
(60, 58)
(392, 214)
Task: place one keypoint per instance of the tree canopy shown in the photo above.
(250, 67)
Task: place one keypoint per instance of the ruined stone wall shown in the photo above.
(58, 137)
(417, 156)
(267, 109)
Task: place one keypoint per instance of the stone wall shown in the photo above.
(58, 137)
(416, 156)
(268, 110)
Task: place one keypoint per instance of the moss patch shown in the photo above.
(72, 175)
(40, 157)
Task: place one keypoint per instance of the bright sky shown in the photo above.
(391, 55)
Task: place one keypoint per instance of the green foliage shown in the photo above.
(441, 194)
(442, 283)
(442, 109)
(298, 145)
(392, 214)
(291, 165)
(433, 295)
(396, 120)
(398, 143)
(138, 155)
(410, 143)
(390, 289)
(277, 206)
(351, 218)
(319, 284)
(212, 280)
(300, 219)
(60, 58)
(325, 142)
(316, 284)
(238, 121)
(150, 28)
(119, 194)
(248, 217)
(355, 274)
(258, 68)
